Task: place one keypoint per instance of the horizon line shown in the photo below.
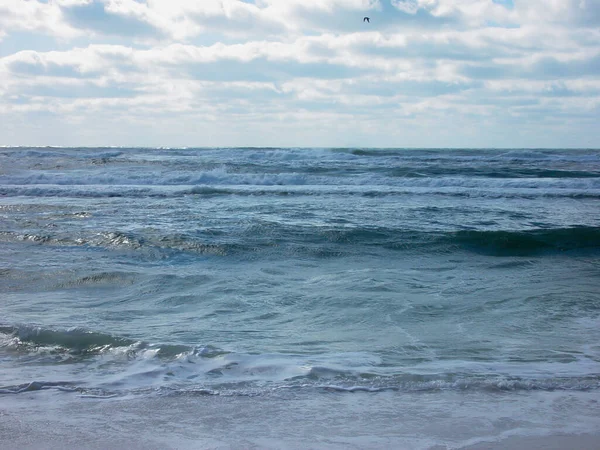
(269, 147)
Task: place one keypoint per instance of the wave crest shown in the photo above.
(332, 240)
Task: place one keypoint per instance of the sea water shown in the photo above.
(430, 297)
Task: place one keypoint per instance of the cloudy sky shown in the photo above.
(422, 73)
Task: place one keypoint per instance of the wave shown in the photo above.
(490, 172)
(75, 340)
(216, 176)
(471, 383)
(488, 154)
(127, 191)
(158, 246)
(323, 241)
(501, 243)
(325, 173)
(309, 156)
(80, 358)
(38, 386)
(530, 241)
(393, 384)
(30, 339)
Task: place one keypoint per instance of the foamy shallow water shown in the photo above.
(295, 420)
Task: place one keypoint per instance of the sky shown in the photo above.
(300, 73)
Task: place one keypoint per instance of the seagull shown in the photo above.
(366, 19)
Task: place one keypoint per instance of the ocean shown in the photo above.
(299, 298)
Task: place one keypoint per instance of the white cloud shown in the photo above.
(34, 16)
(407, 6)
(566, 12)
(279, 72)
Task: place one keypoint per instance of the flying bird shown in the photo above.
(366, 19)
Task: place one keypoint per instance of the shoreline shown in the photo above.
(441, 421)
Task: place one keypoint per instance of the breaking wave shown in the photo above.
(29, 339)
(185, 370)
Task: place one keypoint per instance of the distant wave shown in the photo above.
(474, 153)
(217, 176)
(351, 153)
(491, 172)
(524, 190)
(424, 175)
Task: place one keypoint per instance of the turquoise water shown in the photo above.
(270, 272)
